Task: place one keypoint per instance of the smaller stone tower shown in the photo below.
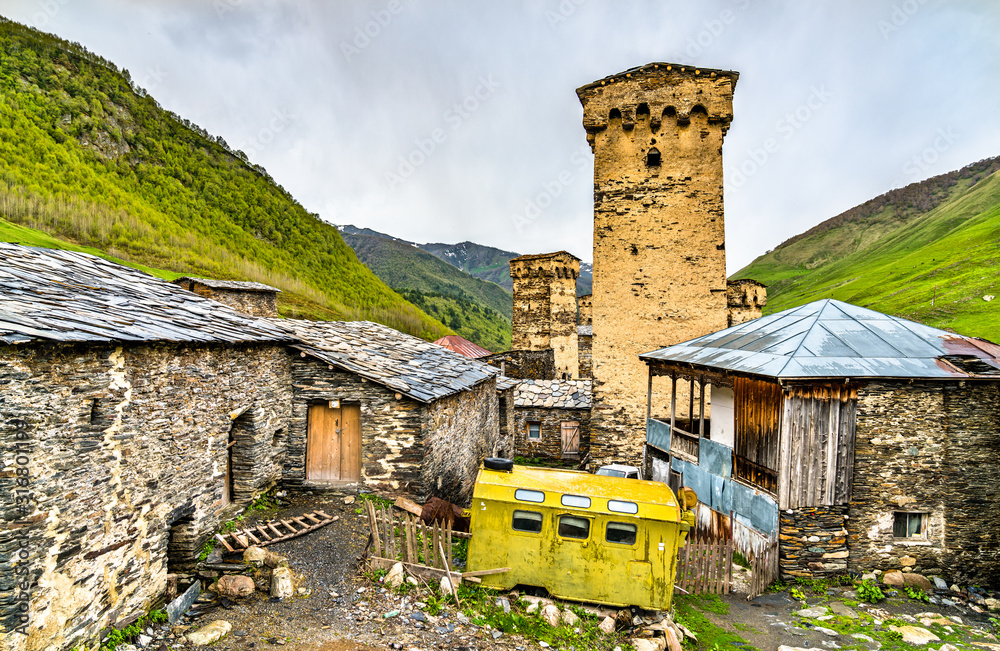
(746, 299)
(585, 305)
(545, 307)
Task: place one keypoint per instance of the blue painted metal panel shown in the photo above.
(715, 458)
(764, 514)
(718, 484)
(700, 481)
(658, 434)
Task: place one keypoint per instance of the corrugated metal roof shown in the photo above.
(833, 339)
(48, 294)
(239, 285)
(462, 346)
(412, 366)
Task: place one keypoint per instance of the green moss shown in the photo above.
(689, 611)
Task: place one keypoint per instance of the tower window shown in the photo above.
(653, 157)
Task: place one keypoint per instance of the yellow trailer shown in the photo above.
(582, 537)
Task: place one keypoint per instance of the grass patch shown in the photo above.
(710, 637)
(126, 635)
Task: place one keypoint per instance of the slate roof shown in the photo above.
(554, 394)
(409, 365)
(504, 383)
(238, 285)
(833, 339)
(585, 330)
(462, 346)
(48, 294)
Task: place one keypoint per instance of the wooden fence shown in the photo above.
(705, 568)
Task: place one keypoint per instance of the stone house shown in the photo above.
(378, 408)
(863, 440)
(135, 417)
(552, 419)
(255, 299)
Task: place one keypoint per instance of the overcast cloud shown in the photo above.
(439, 120)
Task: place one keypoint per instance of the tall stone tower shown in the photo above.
(659, 238)
(545, 307)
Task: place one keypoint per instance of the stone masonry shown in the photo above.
(550, 404)
(545, 307)
(659, 238)
(813, 542)
(585, 309)
(925, 448)
(124, 450)
(745, 299)
(585, 344)
(524, 364)
(255, 299)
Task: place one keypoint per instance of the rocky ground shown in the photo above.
(341, 606)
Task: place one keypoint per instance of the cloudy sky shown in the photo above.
(437, 120)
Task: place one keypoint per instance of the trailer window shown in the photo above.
(620, 532)
(573, 527)
(623, 507)
(529, 496)
(527, 521)
(579, 501)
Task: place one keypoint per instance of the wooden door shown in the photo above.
(333, 444)
(570, 438)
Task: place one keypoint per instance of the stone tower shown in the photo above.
(746, 298)
(659, 238)
(545, 307)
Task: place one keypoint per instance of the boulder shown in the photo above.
(893, 578)
(915, 634)
(209, 634)
(235, 586)
(649, 643)
(993, 604)
(282, 583)
(607, 625)
(842, 609)
(551, 614)
(815, 611)
(569, 617)
(272, 560)
(917, 581)
(396, 577)
(939, 583)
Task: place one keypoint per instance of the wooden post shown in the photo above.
(673, 404)
(649, 395)
(451, 579)
(701, 416)
(691, 405)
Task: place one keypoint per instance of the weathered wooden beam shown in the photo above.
(422, 571)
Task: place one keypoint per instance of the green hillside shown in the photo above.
(92, 160)
(478, 310)
(929, 252)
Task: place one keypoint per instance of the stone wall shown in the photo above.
(391, 429)
(545, 309)
(929, 448)
(118, 453)
(659, 237)
(264, 304)
(584, 348)
(524, 364)
(585, 309)
(813, 542)
(505, 416)
(550, 445)
(461, 431)
(745, 300)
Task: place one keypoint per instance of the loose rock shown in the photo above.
(607, 625)
(551, 614)
(211, 633)
(915, 634)
(235, 586)
(395, 577)
(282, 583)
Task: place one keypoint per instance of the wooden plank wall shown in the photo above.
(758, 428)
(817, 445)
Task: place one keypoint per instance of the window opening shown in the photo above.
(528, 521)
(653, 157)
(573, 527)
(534, 431)
(578, 501)
(909, 525)
(623, 507)
(526, 495)
(621, 533)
